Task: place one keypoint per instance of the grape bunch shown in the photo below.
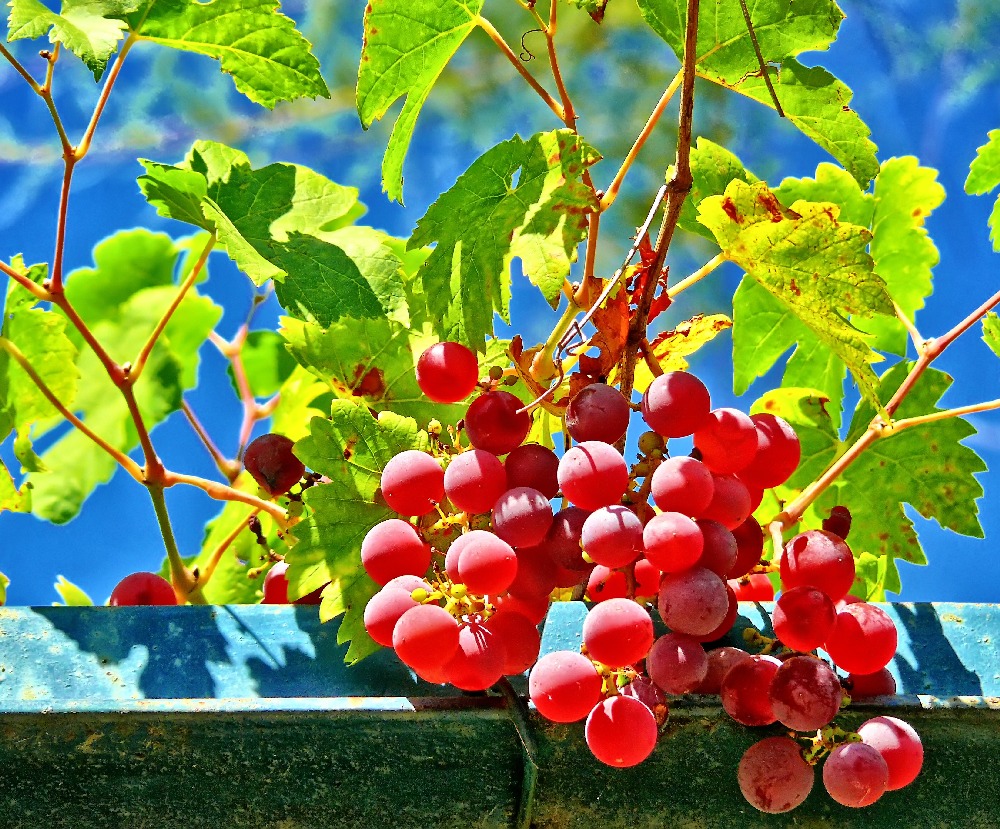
(477, 551)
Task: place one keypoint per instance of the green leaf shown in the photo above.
(712, 168)
(90, 29)
(991, 331)
(268, 59)
(595, 8)
(351, 448)
(816, 265)
(348, 595)
(407, 44)
(12, 499)
(541, 220)
(984, 176)
(71, 595)
(811, 98)
(4, 584)
(266, 362)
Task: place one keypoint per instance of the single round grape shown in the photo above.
(676, 404)
(818, 559)
(879, 684)
(564, 686)
(649, 694)
(755, 587)
(393, 548)
(412, 483)
(621, 732)
(533, 465)
(536, 573)
(778, 452)
(520, 638)
(803, 618)
(447, 372)
(479, 659)
(838, 522)
(720, 660)
(773, 775)
(745, 688)
(805, 693)
(900, 747)
(534, 608)
(673, 542)
(474, 480)
(647, 579)
(693, 601)
(383, 611)
(618, 632)
(731, 503)
(612, 536)
(425, 636)
(605, 583)
(651, 443)
(592, 475)
(142, 589)
(863, 639)
(682, 484)
(487, 565)
(563, 539)
(719, 551)
(271, 463)
(749, 547)
(855, 775)
(597, 412)
(494, 423)
(276, 585)
(677, 663)
(727, 441)
(522, 516)
(728, 620)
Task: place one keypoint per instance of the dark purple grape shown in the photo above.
(271, 463)
(597, 412)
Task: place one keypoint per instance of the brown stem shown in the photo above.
(229, 469)
(583, 295)
(760, 59)
(222, 492)
(569, 113)
(24, 73)
(56, 283)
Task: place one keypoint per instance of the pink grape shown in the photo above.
(276, 588)
(564, 686)
(487, 565)
(447, 372)
(474, 480)
(621, 731)
(673, 542)
(612, 536)
(682, 484)
(778, 452)
(647, 578)
(597, 412)
(677, 663)
(730, 504)
(649, 694)
(855, 775)
(593, 474)
(745, 688)
(749, 547)
(818, 559)
(726, 441)
(863, 639)
(676, 404)
(142, 589)
(522, 517)
(520, 638)
(493, 422)
(693, 601)
(563, 539)
(412, 483)
(728, 620)
(533, 465)
(536, 573)
(383, 611)
(805, 693)
(533, 608)
(757, 588)
(803, 617)
(720, 548)
(605, 584)
(878, 684)
(425, 636)
(393, 548)
(478, 661)
(618, 632)
(773, 776)
(720, 660)
(900, 747)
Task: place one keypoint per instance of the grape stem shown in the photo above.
(918, 341)
(221, 492)
(39, 292)
(230, 469)
(697, 276)
(213, 561)
(907, 422)
(184, 581)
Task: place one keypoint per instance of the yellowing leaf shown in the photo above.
(671, 348)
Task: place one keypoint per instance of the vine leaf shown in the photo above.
(811, 98)
(595, 8)
(991, 332)
(351, 448)
(90, 29)
(541, 219)
(984, 176)
(267, 57)
(815, 265)
(71, 594)
(406, 47)
(671, 348)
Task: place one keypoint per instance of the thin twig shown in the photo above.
(24, 73)
(227, 468)
(919, 420)
(918, 341)
(181, 577)
(569, 113)
(697, 276)
(205, 575)
(84, 146)
(221, 492)
(760, 59)
(22, 280)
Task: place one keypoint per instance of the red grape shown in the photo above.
(425, 636)
(863, 639)
(693, 601)
(677, 663)
(271, 463)
(412, 483)
(383, 611)
(719, 552)
(778, 452)
(756, 588)
(899, 746)
(773, 776)
(647, 578)
(881, 683)
(593, 474)
(486, 564)
(749, 547)
(745, 689)
(621, 731)
(522, 516)
(276, 585)
(612, 536)
(720, 660)
(618, 632)
(597, 412)
(479, 659)
(474, 480)
(534, 608)
(730, 504)
(520, 638)
(563, 539)
(393, 548)
(819, 559)
(536, 573)
(142, 589)
(682, 484)
(726, 441)
(676, 404)
(447, 372)
(839, 522)
(673, 542)
(728, 620)
(805, 693)
(649, 694)
(605, 584)
(855, 775)
(564, 686)
(493, 422)
(803, 617)
(533, 465)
